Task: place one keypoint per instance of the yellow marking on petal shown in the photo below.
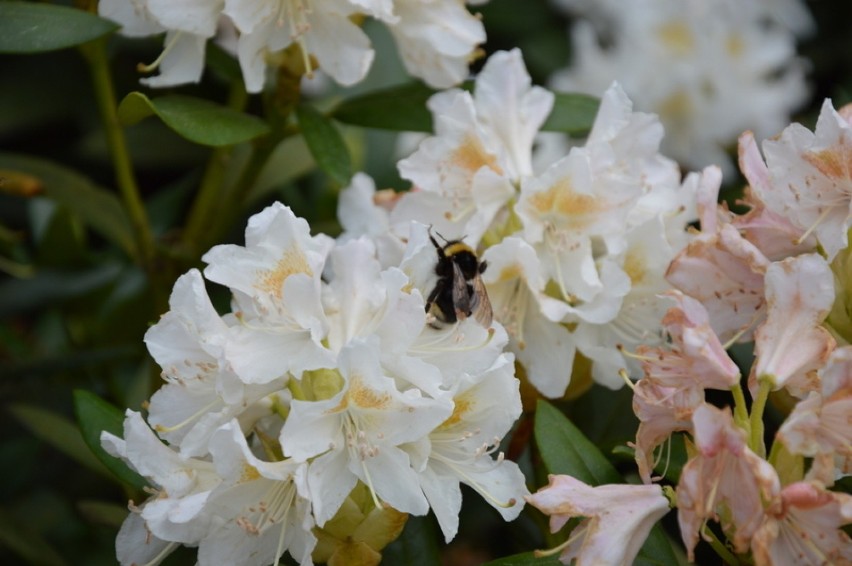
(678, 37)
(361, 395)
(272, 281)
(634, 265)
(462, 406)
(510, 272)
(734, 45)
(834, 162)
(676, 106)
(470, 155)
(561, 199)
(249, 473)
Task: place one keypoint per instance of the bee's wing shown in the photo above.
(480, 304)
(461, 296)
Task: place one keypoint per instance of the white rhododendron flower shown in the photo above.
(468, 172)
(576, 248)
(709, 69)
(437, 39)
(322, 29)
(188, 26)
(326, 378)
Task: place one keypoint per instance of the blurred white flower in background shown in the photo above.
(709, 69)
(436, 39)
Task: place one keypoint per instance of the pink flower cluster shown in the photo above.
(776, 276)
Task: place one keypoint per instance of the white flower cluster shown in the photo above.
(709, 68)
(324, 378)
(576, 250)
(436, 38)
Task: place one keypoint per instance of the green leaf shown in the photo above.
(572, 114)
(48, 286)
(59, 432)
(326, 143)
(95, 206)
(565, 450)
(657, 550)
(400, 108)
(102, 512)
(290, 160)
(416, 546)
(526, 559)
(27, 27)
(195, 119)
(95, 416)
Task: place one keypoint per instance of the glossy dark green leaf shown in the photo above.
(326, 143)
(526, 559)
(416, 546)
(572, 114)
(606, 417)
(401, 108)
(195, 119)
(49, 286)
(565, 450)
(59, 432)
(29, 27)
(657, 550)
(94, 415)
(95, 206)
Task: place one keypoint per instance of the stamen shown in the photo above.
(189, 419)
(626, 377)
(287, 504)
(460, 212)
(554, 251)
(473, 483)
(369, 479)
(801, 538)
(813, 226)
(577, 533)
(743, 330)
(668, 456)
(633, 355)
(162, 555)
(142, 68)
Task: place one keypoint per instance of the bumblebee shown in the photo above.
(459, 292)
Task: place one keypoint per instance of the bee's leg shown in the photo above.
(483, 265)
(433, 296)
(439, 249)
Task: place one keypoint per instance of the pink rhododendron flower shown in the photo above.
(617, 519)
(803, 528)
(724, 481)
(661, 410)
(721, 269)
(812, 179)
(791, 345)
(820, 426)
(773, 233)
(696, 356)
